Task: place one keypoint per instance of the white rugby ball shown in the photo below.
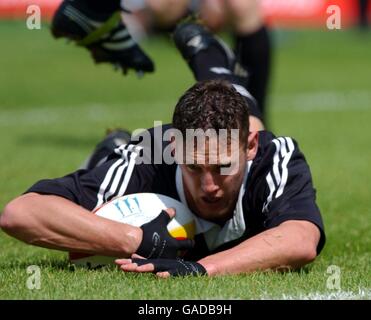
(138, 209)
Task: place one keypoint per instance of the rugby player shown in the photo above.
(261, 215)
(97, 26)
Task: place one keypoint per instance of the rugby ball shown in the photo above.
(138, 209)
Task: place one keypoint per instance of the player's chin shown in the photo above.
(211, 211)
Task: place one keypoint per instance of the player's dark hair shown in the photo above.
(212, 104)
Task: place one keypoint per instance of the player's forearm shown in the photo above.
(56, 223)
(288, 246)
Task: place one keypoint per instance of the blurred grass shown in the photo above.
(55, 104)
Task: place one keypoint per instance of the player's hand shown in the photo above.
(157, 242)
(162, 267)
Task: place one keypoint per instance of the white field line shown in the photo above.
(97, 113)
(363, 293)
(49, 115)
(300, 102)
(323, 101)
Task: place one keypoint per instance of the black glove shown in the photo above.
(158, 243)
(176, 267)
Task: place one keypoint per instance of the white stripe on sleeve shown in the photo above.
(106, 181)
(285, 161)
(284, 150)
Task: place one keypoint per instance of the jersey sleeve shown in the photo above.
(285, 190)
(121, 174)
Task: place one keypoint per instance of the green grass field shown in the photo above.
(55, 105)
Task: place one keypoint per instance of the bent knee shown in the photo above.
(243, 7)
(246, 15)
(167, 12)
(213, 14)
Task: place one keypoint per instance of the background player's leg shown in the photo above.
(166, 13)
(362, 17)
(253, 46)
(254, 52)
(103, 149)
(103, 5)
(209, 58)
(213, 14)
(97, 26)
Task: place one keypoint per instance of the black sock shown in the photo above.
(102, 6)
(203, 62)
(254, 52)
(363, 19)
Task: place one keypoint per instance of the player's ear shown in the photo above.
(252, 145)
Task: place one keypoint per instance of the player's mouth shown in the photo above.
(211, 200)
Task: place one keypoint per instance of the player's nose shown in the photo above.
(208, 183)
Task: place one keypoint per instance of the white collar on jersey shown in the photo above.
(213, 233)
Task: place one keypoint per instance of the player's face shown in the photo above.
(211, 194)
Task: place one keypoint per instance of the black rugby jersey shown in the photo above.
(277, 187)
